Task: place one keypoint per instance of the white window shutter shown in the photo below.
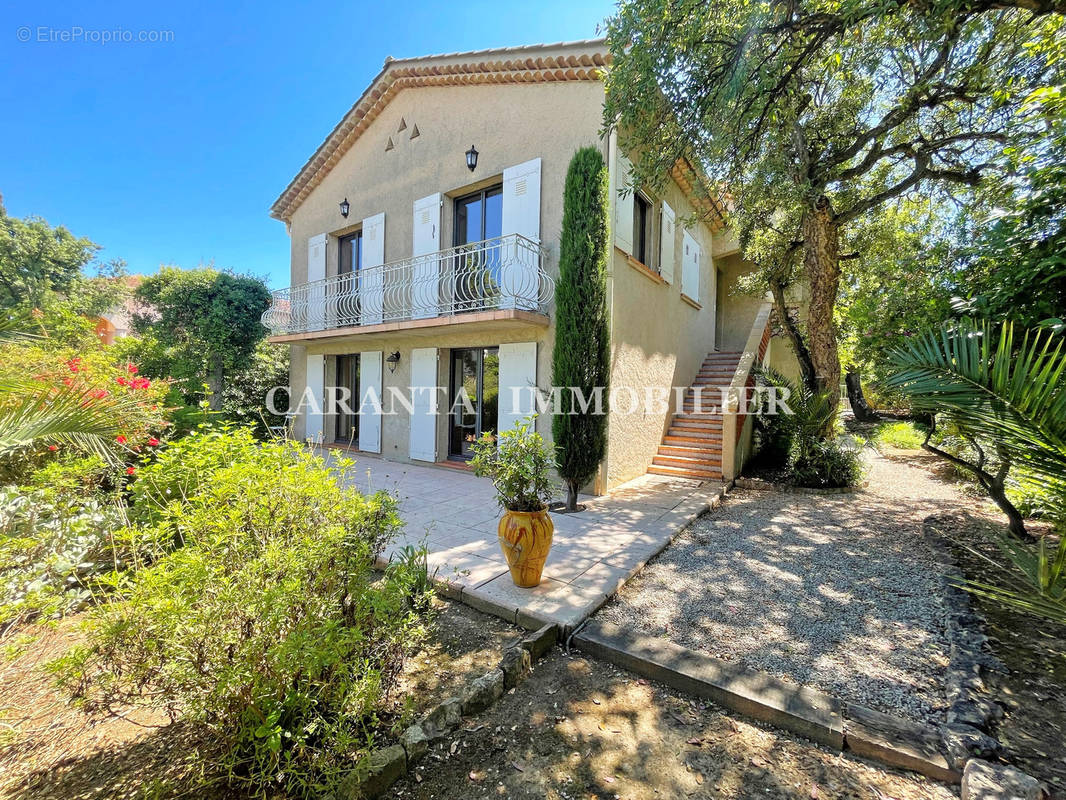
(372, 274)
(316, 271)
(521, 200)
(316, 383)
(518, 370)
(519, 269)
(690, 267)
(370, 401)
(425, 288)
(423, 436)
(623, 204)
(666, 244)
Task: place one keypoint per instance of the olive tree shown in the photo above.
(810, 115)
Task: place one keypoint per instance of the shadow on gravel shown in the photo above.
(842, 592)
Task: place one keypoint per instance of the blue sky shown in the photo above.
(171, 152)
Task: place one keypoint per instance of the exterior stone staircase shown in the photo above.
(692, 446)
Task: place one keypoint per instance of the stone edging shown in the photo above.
(377, 771)
(973, 713)
(938, 752)
(788, 488)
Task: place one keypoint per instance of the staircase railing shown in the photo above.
(736, 420)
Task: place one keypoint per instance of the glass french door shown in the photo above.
(350, 262)
(348, 378)
(475, 396)
(478, 219)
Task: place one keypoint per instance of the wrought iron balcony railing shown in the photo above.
(502, 273)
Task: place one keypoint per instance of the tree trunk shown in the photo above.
(803, 355)
(1015, 521)
(995, 485)
(215, 382)
(859, 406)
(571, 496)
(821, 262)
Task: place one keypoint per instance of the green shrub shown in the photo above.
(268, 628)
(518, 463)
(244, 396)
(825, 464)
(54, 547)
(180, 469)
(901, 435)
(73, 476)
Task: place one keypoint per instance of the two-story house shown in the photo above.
(425, 243)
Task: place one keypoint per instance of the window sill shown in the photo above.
(694, 303)
(643, 268)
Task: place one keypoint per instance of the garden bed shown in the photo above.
(49, 749)
(579, 727)
(840, 592)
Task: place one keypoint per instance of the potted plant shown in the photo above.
(517, 462)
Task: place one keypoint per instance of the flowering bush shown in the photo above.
(90, 375)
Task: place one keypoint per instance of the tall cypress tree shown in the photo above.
(581, 358)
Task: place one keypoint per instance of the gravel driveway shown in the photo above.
(841, 592)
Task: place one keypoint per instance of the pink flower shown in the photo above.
(153, 442)
(74, 364)
(132, 369)
(120, 439)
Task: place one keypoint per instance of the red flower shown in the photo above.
(120, 439)
(68, 382)
(74, 364)
(132, 369)
(121, 381)
(130, 470)
(140, 383)
(100, 394)
(152, 442)
(52, 447)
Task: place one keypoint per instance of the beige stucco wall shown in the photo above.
(657, 339)
(395, 428)
(738, 313)
(508, 124)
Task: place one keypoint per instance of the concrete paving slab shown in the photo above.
(593, 552)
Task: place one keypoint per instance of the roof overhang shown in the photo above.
(567, 61)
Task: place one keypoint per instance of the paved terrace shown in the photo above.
(593, 553)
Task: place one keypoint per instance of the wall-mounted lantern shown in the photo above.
(392, 359)
(471, 158)
(345, 207)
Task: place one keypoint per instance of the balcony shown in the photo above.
(476, 280)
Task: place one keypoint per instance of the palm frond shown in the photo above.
(1036, 585)
(31, 414)
(990, 384)
(13, 329)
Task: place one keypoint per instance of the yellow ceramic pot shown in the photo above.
(525, 538)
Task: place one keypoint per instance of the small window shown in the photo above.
(641, 228)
